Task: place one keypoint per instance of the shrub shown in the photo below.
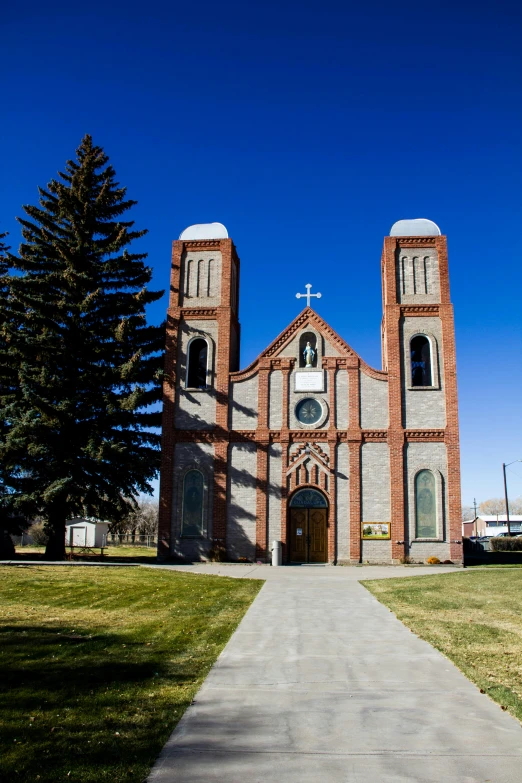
(433, 560)
(218, 554)
(38, 534)
(448, 562)
(506, 544)
(405, 560)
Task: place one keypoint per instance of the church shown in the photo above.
(309, 445)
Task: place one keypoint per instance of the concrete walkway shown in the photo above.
(321, 683)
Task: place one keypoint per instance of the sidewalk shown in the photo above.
(321, 683)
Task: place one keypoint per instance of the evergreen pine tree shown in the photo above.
(10, 521)
(81, 439)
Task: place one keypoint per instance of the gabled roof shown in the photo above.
(308, 317)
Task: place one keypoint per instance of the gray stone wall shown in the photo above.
(341, 396)
(292, 348)
(376, 551)
(418, 278)
(241, 507)
(431, 456)
(375, 481)
(294, 398)
(420, 551)
(243, 408)
(274, 493)
(373, 402)
(196, 408)
(343, 503)
(424, 407)
(188, 456)
(201, 278)
(330, 349)
(275, 397)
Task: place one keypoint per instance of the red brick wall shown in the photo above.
(396, 435)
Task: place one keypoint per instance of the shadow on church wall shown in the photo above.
(206, 400)
(240, 517)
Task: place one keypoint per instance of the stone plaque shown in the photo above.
(310, 380)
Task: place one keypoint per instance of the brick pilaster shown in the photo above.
(451, 437)
(331, 367)
(169, 401)
(286, 367)
(285, 443)
(392, 319)
(262, 501)
(354, 451)
(332, 510)
(262, 439)
(219, 520)
(223, 317)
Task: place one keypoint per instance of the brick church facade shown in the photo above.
(309, 445)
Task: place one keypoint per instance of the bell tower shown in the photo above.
(419, 356)
(202, 348)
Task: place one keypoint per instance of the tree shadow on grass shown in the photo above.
(91, 705)
(90, 557)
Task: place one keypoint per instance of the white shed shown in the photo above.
(85, 532)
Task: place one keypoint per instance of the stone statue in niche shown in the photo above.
(309, 355)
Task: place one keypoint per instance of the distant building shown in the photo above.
(491, 525)
(85, 532)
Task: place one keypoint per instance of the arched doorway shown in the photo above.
(307, 533)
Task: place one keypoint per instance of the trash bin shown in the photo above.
(277, 553)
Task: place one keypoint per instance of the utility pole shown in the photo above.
(506, 498)
(504, 466)
(475, 507)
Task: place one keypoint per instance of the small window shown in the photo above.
(425, 505)
(197, 364)
(420, 361)
(192, 522)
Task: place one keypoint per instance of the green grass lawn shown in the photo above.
(98, 665)
(473, 617)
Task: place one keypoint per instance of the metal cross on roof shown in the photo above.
(308, 294)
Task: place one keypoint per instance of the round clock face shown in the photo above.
(309, 411)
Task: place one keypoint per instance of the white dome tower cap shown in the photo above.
(204, 231)
(415, 227)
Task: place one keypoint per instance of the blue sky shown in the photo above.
(307, 129)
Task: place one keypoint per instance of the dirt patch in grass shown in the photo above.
(473, 617)
(98, 665)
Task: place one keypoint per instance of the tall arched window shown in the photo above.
(192, 517)
(197, 364)
(420, 361)
(425, 505)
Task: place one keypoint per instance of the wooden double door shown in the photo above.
(308, 539)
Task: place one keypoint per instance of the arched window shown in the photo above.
(420, 361)
(308, 498)
(197, 364)
(192, 517)
(425, 505)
